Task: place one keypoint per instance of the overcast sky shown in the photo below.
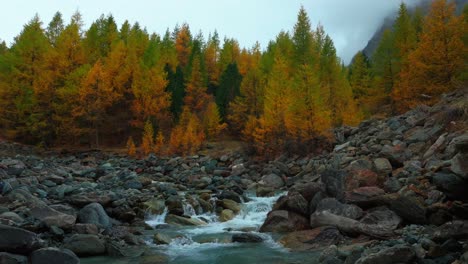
(350, 23)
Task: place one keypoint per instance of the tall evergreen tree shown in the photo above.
(229, 88)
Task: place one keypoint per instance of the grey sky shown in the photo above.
(349, 22)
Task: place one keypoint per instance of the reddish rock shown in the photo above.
(283, 221)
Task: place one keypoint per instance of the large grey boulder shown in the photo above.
(335, 207)
(85, 245)
(51, 217)
(17, 240)
(272, 180)
(94, 213)
(7, 258)
(283, 221)
(53, 255)
(395, 254)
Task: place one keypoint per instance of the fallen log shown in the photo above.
(349, 226)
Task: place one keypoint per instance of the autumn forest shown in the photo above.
(62, 84)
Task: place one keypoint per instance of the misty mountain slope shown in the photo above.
(390, 20)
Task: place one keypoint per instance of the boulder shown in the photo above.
(85, 245)
(91, 229)
(311, 239)
(395, 254)
(54, 256)
(272, 180)
(155, 206)
(226, 194)
(7, 258)
(179, 220)
(95, 214)
(175, 205)
(247, 238)
(383, 165)
(17, 240)
(459, 165)
(335, 207)
(308, 190)
(51, 217)
(226, 215)
(410, 208)
(382, 216)
(231, 205)
(161, 239)
(361, 178)
(12, 216)
(334, 181)
(283, 221)
(456, 230)
(294, 201)
(104, 198)
(452, 185)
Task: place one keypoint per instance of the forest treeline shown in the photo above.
(61, 84)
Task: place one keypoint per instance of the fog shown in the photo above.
(351, 23)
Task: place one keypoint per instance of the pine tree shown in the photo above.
(147, 140)
(159, 144)
(303, 40)
(131, 148)
(212, 121)
(437, 62)
(229, 88)
(183, 45)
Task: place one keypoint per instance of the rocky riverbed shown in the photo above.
(391, 191)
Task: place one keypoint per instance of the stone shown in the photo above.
(272, 180)
(51, 217)
(395, 254)
(14, 167)
(12, 216)
(95, 214)
(308, 190)
(85, 245)
(455, 229)
(294, 201)
(459, 165)
(247, 238)
(154, 259)
(226, 215)
(17, 240)
(91, 229)
(231, 205)
(226, 194)
(179, 220)
(410, 208)
(361, 178)
(330, 255)
(175, 205)
(161, 239)
(334, 181)
(392, 185)
(281, 221)
(7, 258)
(452, 185)
(83, 199)
(383, 165)
(335, 207)
(54, 256)
(365, 196)
(382, 216)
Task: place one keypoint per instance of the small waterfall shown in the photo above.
(188, 209)
(156, 220)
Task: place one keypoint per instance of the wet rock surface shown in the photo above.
(390, 189)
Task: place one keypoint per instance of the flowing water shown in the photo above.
(211, 243)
